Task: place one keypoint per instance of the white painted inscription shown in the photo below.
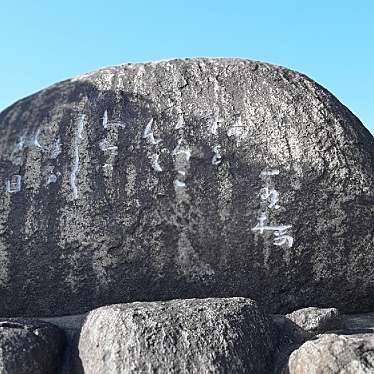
(155, 163)
(217, 158)
(179, 149)
(271, 194)
(148, 134)
(107, 123)
(266, 173)
(150, 138)
(237, 131)
(180, 123)
(179, 184)
(52, 178)
(13, 184)
(105, 146)
(35, 139)
(105, 119)
(271, 197)
(75, 167)
(181, 155)
(214, 125)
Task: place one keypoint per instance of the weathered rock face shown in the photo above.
(316, 320)
(30, 347)
(308, 322)
(186, 178)
(334, 354)
(178, 336)
(295, 328)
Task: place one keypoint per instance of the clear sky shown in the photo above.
(43, 41)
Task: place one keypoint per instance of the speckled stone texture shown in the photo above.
(180, 179)
(30, 347)
(178, 336)
(302, 325)
(334, 354)
(308, 322)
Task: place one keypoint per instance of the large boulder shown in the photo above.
(30, 346)
(185, 178)
(178, 336)
(334, 354)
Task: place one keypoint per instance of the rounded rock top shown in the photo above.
(185, 179)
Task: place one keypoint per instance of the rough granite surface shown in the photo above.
(313, 321)
(334, 354)
(181, 179)
(178, 336)
(30, 347)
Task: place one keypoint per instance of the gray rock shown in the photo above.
(178, 336)
(181, 179)
(316, 320)
(30, 346)
(308, 322)
(334, 354)
(301, 325)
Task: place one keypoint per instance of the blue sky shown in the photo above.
(43, 42)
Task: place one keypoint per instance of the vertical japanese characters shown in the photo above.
(270, 199)
(75, 166)
(149, 136)
(181, 154)
(108, 145)
(33, 143)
